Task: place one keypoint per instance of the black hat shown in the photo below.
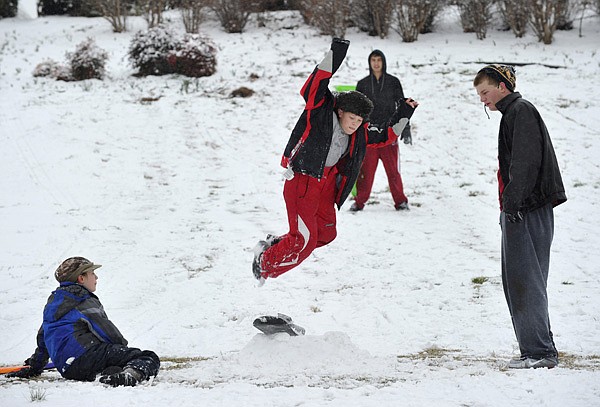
(502, 73)
(354, 102)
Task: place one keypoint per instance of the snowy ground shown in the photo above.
(171, 196)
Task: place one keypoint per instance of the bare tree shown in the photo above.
(544, 16)
(475, 16)
(515, 14)
(192, 14)
(412, 15)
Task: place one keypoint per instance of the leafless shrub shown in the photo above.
(114, 11)
(329, 16)
(153, 11)
(192, 14)
(433, 14)
(412, 16)
(233, 14)
(372, 16)
(544, 16)
(8, 8)
(475, 16)
(515, 14)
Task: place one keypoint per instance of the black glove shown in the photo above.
(25, 373)
(406, 135)
(341, 41)
(514, 217)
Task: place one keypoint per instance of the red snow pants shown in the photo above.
(390, 156)
(310, 204)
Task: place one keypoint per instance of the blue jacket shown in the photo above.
(74, 321)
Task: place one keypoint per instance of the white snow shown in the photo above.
(171, 196)
(27, 9)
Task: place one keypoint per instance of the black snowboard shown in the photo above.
(270, 325)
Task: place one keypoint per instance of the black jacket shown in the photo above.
(310, 141)
(529, 175)
(385, 93)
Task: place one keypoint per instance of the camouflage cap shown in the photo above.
(72, 268)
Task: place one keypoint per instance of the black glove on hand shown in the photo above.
(341, 40)
(514, 217)
(25, 373)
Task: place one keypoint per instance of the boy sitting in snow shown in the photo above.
(323, 159)
(79, 337)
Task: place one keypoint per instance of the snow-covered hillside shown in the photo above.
(172, 195)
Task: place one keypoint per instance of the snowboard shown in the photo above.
(270, 325)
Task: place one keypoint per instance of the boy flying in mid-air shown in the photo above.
(323, 159)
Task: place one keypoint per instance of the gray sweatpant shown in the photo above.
(525, 264)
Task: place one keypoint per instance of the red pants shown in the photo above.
(390, 157)
(311, 216)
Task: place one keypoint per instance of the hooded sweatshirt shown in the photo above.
(385, 93)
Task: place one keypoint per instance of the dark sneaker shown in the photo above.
(128, 377)
(259, 249)
(355, 207)
(530, 363)
(403, 206)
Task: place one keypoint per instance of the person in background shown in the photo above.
(385, 91)
(80, 339)
(530, 186)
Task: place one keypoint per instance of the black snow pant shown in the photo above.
(103, 355)
(525, 265)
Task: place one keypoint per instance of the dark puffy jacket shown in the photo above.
(529, 175)
(74, 321)
(309, 143)
(385, 93)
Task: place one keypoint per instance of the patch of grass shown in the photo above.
(176, 363)
(435, 352)
(576, 362)
(479, 280)
(37, 394)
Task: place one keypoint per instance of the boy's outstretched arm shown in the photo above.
(316, 86)
(393, 130)
(36, 362)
